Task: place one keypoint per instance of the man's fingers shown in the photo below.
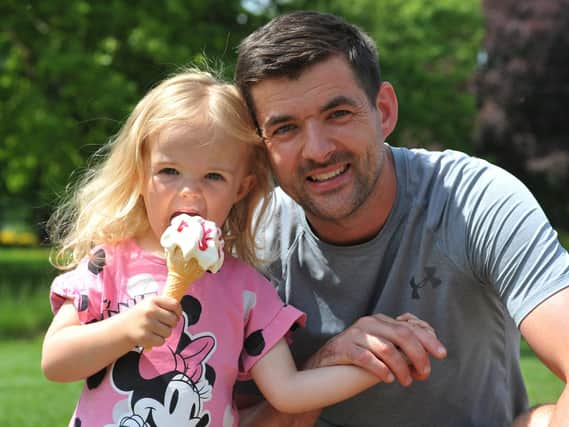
(425, 333)
(394, 344)
(352, 347)
(415, 321)
(366, 359)
(389, 348)
(428, 338)
(418, 348)
(432, 344)
(390, 356)
(403, 344)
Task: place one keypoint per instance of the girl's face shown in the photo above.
(185, 173)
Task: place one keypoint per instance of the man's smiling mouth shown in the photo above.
(328, 175)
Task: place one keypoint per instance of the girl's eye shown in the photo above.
(168, 171)
(214, 176)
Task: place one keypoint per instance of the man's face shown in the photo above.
(325, 140)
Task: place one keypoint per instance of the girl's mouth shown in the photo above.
(190, 213)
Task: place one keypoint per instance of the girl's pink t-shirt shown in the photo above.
(230, 320)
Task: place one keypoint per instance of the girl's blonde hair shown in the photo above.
(107, 206)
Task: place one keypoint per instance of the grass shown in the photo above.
(542, 385)
(25, 279)
(26, 264)
(24, 255)
(28, 399)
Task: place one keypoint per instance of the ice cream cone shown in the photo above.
(181, 274)
(193, 246)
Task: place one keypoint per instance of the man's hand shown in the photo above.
(389, 348)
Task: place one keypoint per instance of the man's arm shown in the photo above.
(546, 330)
(390, 348)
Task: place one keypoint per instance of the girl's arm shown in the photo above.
(73, 351)
(292, 391)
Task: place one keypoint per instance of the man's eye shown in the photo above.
(214, 176)
(339, 113)
(284, 129)
(168, 171)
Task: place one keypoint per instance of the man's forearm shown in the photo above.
(264, 415)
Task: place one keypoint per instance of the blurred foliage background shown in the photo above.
(71, 70)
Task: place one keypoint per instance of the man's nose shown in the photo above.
(317, 145)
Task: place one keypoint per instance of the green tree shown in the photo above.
(71, 70)
(428, 51)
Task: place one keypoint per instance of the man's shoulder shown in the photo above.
(419, 167)
(426, 158)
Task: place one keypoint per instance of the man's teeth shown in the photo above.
(328, 175)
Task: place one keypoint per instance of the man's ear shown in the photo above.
(386, 104)
(247, 183)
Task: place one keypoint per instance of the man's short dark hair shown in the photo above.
(290, 43)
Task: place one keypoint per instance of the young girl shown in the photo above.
(189, 146)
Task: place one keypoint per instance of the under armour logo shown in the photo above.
(429, 278)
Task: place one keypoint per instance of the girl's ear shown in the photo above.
(247, 183)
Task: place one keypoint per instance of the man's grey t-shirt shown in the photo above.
(466, 248)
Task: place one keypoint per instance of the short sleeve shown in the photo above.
(512, 245)
(84, 286)
(267, 320)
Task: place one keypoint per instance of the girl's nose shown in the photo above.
(191, 197)
(190, 190)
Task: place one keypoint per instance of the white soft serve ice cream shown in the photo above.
(197, 238)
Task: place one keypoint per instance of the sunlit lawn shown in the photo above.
(542, 385)
(28, 399)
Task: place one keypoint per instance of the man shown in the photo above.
(365, 231)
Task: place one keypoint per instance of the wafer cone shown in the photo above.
(181, 274)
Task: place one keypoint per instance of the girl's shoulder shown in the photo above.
(235, 267)
(125, 251)
(236, 277)
(111, 257)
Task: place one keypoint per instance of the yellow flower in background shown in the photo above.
(11, 237)
(7, 237)
(27, 238)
